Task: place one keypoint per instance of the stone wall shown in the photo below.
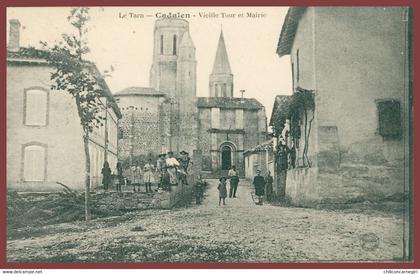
(350, 183)
(179, 194)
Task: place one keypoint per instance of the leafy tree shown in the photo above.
(80, 78)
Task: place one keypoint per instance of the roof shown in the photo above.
(221, 62)
(288, 31)
(37, 57)
(139, 91)
(186, 41)
(280, 103)
(27, 55)
(266, 146)
(228, 102)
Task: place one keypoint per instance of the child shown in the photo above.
(222, 190)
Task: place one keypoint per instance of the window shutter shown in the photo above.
(34, 163)
(389, 114)
(36, 108)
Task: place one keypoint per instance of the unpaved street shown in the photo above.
(239, 231)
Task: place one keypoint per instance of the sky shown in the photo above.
(126, 44)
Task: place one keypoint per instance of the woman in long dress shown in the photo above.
(149, 175)
(259, 184)
(172, 165)
(106, 173)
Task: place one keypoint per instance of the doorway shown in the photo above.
(226, 157)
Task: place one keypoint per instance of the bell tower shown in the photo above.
(173, 73)
(221, 77)
(166, 41)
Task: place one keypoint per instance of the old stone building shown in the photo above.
(169, 116)
(349, 111)
(44, 135)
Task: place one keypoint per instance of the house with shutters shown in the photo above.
(350, 111)
(44, 134)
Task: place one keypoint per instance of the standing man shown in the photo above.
(234, 181)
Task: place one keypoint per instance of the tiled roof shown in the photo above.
(37, 56)
(139, 91)
(280, 108)
(266, 146)
(228, 102)
(288, 30)
(30, 55)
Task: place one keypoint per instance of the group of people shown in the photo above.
(263, 186)
(168, 171)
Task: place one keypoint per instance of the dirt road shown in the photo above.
(240, 231)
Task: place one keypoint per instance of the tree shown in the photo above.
(80, 78)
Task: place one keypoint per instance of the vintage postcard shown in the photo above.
(209, 135)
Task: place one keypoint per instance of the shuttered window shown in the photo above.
(36, 107)
(34, 165)
(389, 114)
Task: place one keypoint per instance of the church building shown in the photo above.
(168, 115)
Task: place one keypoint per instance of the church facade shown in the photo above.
(168, 115)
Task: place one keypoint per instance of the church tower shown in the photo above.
(167, 36)
(221, 77)
(186, 73)
(173, 73)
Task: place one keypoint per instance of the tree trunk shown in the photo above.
(87, 176)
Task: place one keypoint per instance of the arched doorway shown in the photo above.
(227, 156)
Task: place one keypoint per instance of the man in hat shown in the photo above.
(184, 162)
(234, 181)
(172, 165)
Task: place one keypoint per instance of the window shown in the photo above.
(174, 45)
(389, 116)
(224, 90)
(216, 90)
(36, 107)
(161, 44)
(34, 162)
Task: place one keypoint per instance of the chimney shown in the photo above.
(14, 35)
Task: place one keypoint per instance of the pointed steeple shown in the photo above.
(221, 78)
(221, 62)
